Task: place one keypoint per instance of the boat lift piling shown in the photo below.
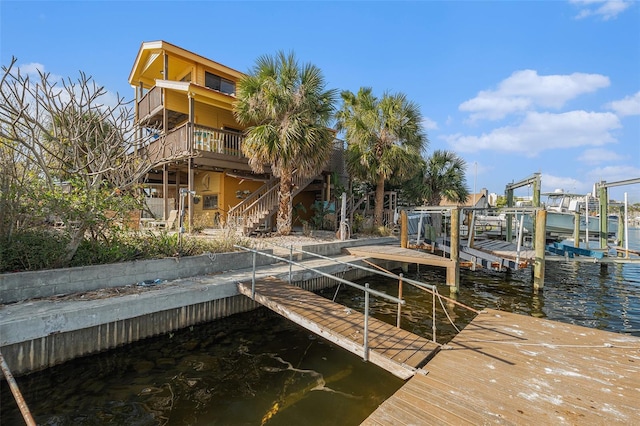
(533, 180)
(540, 242)
(602, 192)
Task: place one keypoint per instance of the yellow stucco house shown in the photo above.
(186, 100)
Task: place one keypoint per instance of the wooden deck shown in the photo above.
(407, 255)
(398, 351)
(505, 368)
(388, 252)
(489, 254)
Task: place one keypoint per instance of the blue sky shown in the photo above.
(514, 87)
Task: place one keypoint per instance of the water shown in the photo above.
(258, 368)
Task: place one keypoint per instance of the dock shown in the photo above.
(506, 368)
(494, 255)
(407, 255)
(398, 254)
(397, 351)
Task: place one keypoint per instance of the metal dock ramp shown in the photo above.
(397, 351)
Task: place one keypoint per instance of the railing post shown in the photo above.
(253, 278)
(433, 315)
(366, 323)
(399, 297)
(290, 260)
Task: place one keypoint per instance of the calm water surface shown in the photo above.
(257, 368)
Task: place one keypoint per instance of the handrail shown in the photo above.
(366, 289)
(267, 201)
(324, 274)
(364, 268)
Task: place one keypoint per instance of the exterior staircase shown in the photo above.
(249, 214)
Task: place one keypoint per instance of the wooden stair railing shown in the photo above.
(252, 211)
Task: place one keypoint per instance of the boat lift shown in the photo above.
(602, 193)
(532, 180)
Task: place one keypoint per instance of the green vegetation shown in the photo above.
(288, 111)
(32, 250)
(384, 139)
(72, 162)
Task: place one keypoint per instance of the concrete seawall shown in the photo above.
(37, 334)
(18, 286)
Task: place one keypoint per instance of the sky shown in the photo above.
(513, 87)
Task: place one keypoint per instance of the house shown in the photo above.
(186, 101)
(479, 200)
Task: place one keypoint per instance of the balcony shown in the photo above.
(199, 142)
(217, 141)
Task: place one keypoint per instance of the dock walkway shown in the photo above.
(506, 368)
(398, 351)
(489, 254)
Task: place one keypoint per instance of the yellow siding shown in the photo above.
(176, 102)
(231, 186)
(211, 116)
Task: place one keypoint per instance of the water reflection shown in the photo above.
(258, 368)
(249, 369)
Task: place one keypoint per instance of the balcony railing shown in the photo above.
(219, 141)
(149, 102)
(183, 141)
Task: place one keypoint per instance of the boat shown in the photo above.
(561, 210)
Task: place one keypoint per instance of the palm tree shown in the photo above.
(384, 138)
(288, 111)
(444, 177)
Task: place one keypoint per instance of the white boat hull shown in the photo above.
(564, 224)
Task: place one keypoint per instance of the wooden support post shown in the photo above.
(453, 271)
(536, 190)
(576, 229)
(620, 236)
(191, 186)
(404, 230)
(165, 192)
(604, 219)
(540, 241)
(509, 216)
(471, 234)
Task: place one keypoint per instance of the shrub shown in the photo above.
(32, 249)
(36, 250)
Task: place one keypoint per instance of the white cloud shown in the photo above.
(607, 9)
(429, 124)
(630, 105)
(525, 89)
(550, 183)
(615, 174)
(599, 155)
(31, 69)
(543, 131)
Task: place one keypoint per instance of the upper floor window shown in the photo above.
(218, 83)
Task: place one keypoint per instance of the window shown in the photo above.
(210, 202)
(220, 84)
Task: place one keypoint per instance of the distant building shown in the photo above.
(479, 200)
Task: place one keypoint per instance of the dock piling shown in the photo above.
(540, 240)
(404, 230)
(453, 271)
(576, 229)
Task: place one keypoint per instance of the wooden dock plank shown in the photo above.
(399, 254)
(394, 349)
(513, 369)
